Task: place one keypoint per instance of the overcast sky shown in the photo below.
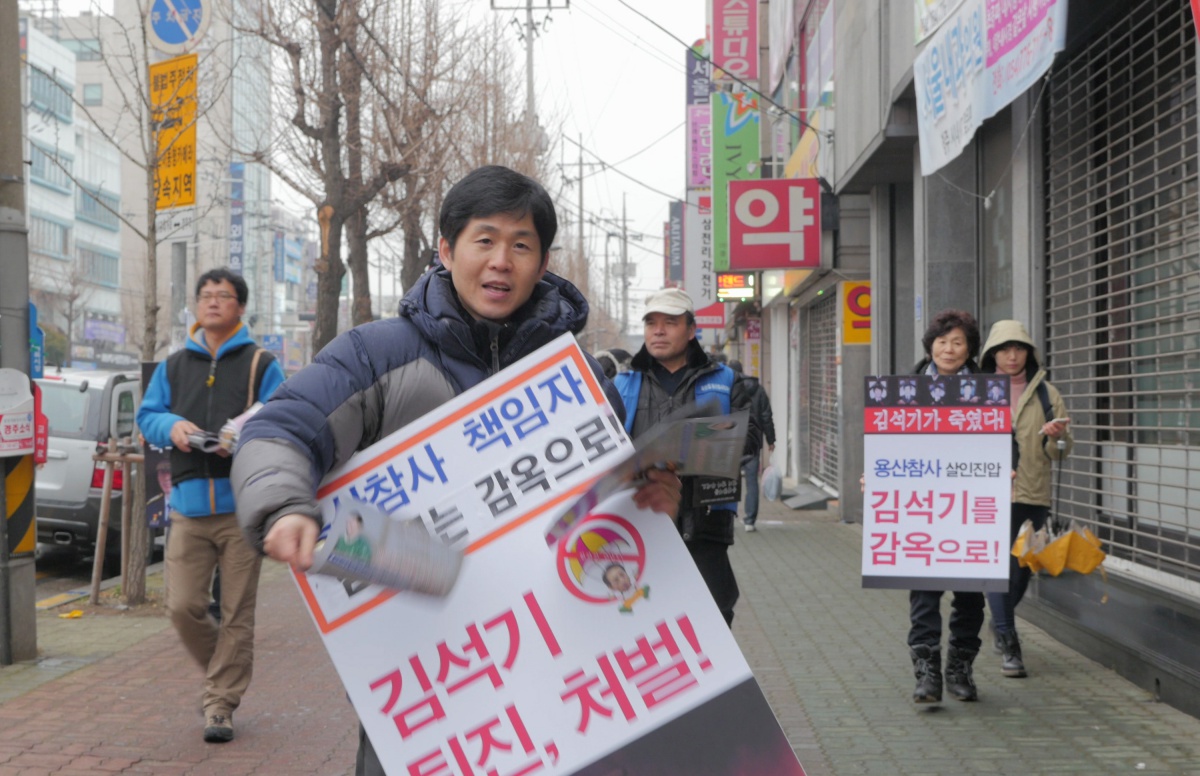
(609, 75)
(612, 77)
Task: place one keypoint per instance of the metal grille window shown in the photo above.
(821, 330)
(1123, 259)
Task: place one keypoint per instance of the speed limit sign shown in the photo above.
(774, 224)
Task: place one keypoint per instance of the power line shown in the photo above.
(669, 132)
(740, 82)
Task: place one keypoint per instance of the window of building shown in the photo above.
(49, 237)
(100, 267)
(50, 168)
(93, 94)
(98, 207)
(86, 49)
(995, 217)
(48, 94)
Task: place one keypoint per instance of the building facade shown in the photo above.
(73, 193)
(1073, 209)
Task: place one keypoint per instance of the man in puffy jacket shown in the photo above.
(216, 377)
(671, 371)
(760, 407)
(490, 303)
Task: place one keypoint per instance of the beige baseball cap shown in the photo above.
(669, 301)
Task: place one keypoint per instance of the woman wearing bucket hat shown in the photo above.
(1042, 433)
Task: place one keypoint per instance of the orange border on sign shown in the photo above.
(572, 352)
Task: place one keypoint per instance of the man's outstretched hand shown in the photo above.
(291, 540)
(661, 492)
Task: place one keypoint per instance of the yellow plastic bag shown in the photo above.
(1022, 548)
(1084, 554)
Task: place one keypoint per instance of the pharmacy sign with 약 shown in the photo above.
(774, 224)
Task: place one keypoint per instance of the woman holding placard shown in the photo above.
(951, 343)
(1040, 428)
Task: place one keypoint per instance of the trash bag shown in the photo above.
(772, 483)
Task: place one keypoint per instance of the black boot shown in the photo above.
(1013, 665)
(958, 673)
(927, 667)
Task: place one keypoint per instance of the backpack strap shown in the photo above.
(250, 391)
(1043, 394)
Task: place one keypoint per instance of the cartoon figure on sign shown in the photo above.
(616, 578)
(602, 560)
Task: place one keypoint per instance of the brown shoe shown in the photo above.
(218, 727)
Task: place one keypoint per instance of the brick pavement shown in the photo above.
(116, 694)
(834, 663)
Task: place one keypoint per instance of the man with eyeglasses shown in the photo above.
(217, 376)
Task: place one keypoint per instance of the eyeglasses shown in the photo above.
(220, 296)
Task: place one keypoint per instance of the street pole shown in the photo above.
(582, 263)
(530, 121)
(624, 271)
(18, 624)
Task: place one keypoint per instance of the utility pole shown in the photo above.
(18, 623)
(582, 164)
(527, 33)
(624, 270)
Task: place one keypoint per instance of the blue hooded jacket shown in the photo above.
(199, 497)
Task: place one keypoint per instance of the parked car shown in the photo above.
(83, 409)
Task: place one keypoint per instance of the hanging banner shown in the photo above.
(983, 57)
(699, 279)
(237, 210)
(735, 38)
(928, 15)
(674, 245)
(736, 156)
(937, 486)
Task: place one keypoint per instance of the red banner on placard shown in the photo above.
(1196, 15)
(937, 420)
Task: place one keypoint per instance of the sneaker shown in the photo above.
(218, 727)
(750, 528)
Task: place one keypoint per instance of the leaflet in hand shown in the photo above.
(682, 443)
(364, 544)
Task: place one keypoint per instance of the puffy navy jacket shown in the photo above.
(376, 379)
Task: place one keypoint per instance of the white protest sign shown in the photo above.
(582, 657)
(937, 485)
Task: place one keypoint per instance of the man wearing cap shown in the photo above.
(670, 371)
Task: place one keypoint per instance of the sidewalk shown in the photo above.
(116, 694)
(833, 661)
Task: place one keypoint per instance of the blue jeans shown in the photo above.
(1004, 605)
(750, 469)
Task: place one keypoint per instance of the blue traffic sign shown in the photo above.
(176, 26)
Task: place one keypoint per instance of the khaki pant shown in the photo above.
(195, 547)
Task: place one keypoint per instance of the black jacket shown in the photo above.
(655, 403)
(760, 408)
